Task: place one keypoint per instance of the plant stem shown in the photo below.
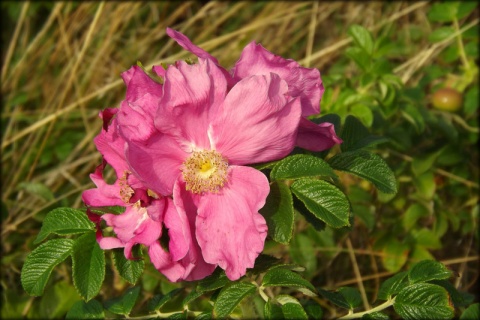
(384, 305)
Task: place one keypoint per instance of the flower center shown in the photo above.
(205, 171)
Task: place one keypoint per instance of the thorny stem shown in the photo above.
(384, 305)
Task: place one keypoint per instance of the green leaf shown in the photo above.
(375, 316)
(280, 277)
(443, 11)
(124, 304)
(214, 281)
(472, 312)
(465, 8)
(426, 238)
(394, 255)
(301, 166)
(86, 310)
(230, 296)
(278, 212)
(422, 164)
(191, 297)
(440, 34)
(130, 270)
(393, 285)
(56, 301)
(362, 38)
(413, 213)
(293, 311)
(272, 311)
(428, 270)
(40, 263)
(159, 300)
(325, 201)
(459, 299)
(335, 297)
(360, 57)
(88, 266)
(423, 301)
(352, 296)
(37, 189)
(313, 309)
(302, 252)
(366, 165)
(356, 136)
(425, 184)
(362, 112)
(64, 221)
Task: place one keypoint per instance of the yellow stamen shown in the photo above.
(205, 171)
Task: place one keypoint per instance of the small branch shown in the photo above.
(384, 305)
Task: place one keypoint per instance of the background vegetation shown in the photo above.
(61, 64)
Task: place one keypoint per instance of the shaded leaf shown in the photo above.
(335, 297)
(86, 310)
(393, 285)
(366, 165)
(130, 270)
(159, 300)
(472, 312)
(352, 296)
(278, 212)
(88, 266)
(325, 201)
(124, 304)
(356, 136)
(40, 263)
(230, 296)
(287, 278)
(214, 281)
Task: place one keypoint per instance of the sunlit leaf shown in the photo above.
(287, 278)
(130, 270)
(63, 221)
(423, 301)
(124, 304)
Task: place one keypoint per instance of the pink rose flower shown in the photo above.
(145, 212)
(304, 83)
(205, 135)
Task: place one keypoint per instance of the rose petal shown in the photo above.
(185, 43)
(302, 82)
(156, 162)
(192, 95)
(229, 228)
(257, 123)
(316, 137)
(139, 83)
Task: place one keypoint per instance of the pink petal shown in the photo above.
(302, 82)
(156, 162)
(139, 83)
(111, 145)
(162, 260)
(183, 41)
(196, 267)
(107, 243)
(257, 123)
(192, 95)
(316, 137)
(105, 194)
(230, 230)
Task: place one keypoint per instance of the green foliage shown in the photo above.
(404, 180)
(40, 263)
(123, 304)
(230, 296)
(88, 266)
(63, 221)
